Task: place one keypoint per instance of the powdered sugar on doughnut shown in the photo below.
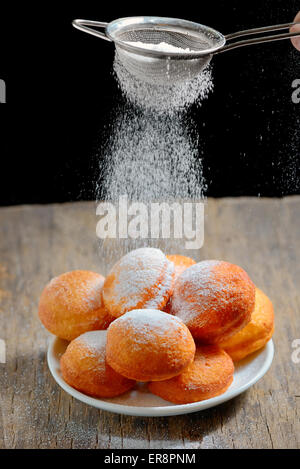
(83, 286)
(204, 291)
(145, 275)
(94, 342)
(146, 324)
(92, 293)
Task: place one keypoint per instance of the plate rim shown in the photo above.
(157, 411)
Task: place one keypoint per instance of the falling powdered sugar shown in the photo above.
(152, 155)
(149, 158)
(163, 98)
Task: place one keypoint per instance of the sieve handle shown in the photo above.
(88, 26)
(259, 39)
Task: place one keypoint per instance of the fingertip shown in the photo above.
(297, 18)
(295, 29)
(296, 42)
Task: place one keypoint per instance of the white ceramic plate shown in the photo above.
(140, 402)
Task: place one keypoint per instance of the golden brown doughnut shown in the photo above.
(181, 263)
(147, 344)
(214, 299)
(84, 367)
(142, 279)
(71, 304)
(209, 375)
(256, 334)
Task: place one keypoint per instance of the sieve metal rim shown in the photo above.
(224, 43)
(167, 24)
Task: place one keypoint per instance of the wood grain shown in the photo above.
(38, 242)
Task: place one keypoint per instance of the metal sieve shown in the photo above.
(197, 43)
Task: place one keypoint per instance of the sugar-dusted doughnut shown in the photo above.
(147, 344)
(181, 263)
(143, 278)
(214, 299)
(256, 334)
(209, 375)
(84, 367)
(72, 304)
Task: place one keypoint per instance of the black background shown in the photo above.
(61, 95)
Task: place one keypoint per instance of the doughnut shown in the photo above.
(180, 262)
(149, 345)
(83, 366)
(256, 334)
(209, 375)
(142, 279)
(71, 304)
(214, 299)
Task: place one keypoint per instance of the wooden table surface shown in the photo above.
(39, 242)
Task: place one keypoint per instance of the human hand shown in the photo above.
(294, 29)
